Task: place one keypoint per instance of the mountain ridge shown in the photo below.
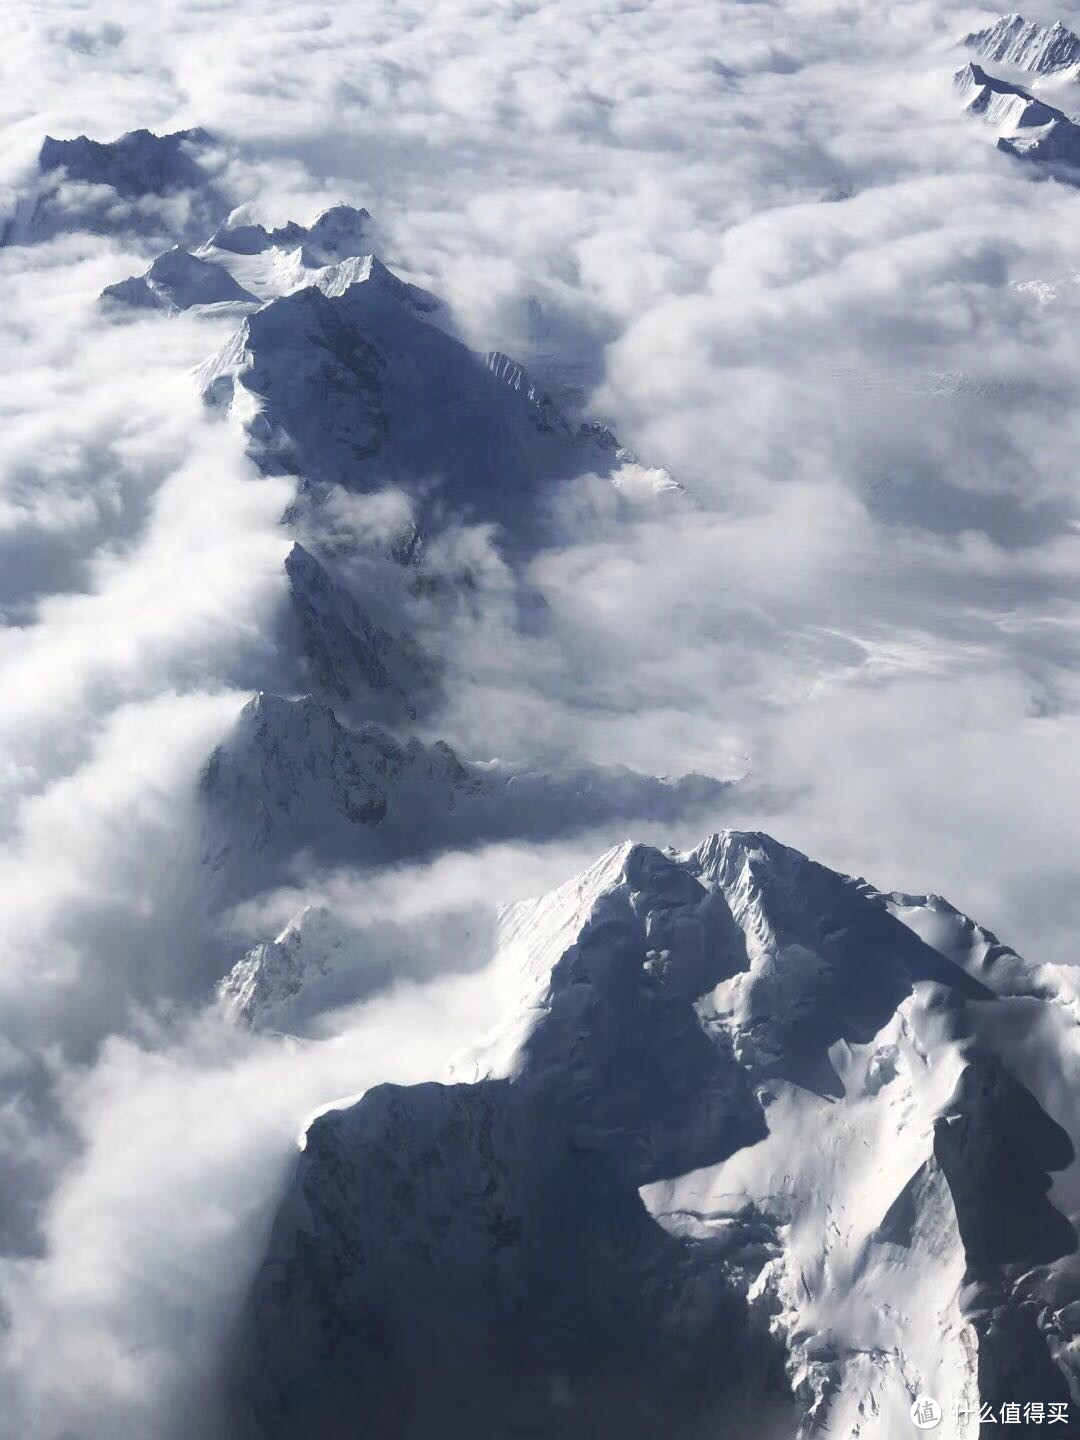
(649, 1032)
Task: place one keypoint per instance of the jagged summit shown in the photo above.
(141, 184)
(1027, 127)
(291, 778)
(508, 1278)
(786, 1012)
(335, 278)
(138, 163)
(1040, 49)
(1000, 101)
(335, 234)
(352, 386)
(261, 989)
(248, 265)
(176, 281)
(895, 1230)
(275, 262)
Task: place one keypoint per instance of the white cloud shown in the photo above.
(795, 276)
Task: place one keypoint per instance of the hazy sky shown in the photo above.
(765, 245)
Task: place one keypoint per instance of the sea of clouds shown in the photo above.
(758, 239)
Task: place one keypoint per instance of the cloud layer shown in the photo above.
(762, 242)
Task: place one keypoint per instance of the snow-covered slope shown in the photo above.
(843, 1136)
(310, 966)
(332, 252)
(333, 235)
(1000, 103)
(345, 375)
(247, 263)
(291, 778)
(1027, 127)
(350, 385)
(918, 1204)
(1043, 50)
(176, 281)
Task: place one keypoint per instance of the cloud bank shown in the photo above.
(764, 245)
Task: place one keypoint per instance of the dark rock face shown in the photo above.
(455, 1260)
(359, 390)
(160, 186)
(1014, 1361)
(348, 657)
(997, 1146)
(138, 163)
(463, 1269)
(473, 1259)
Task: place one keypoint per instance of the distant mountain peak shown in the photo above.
(291, 778)
(335, 234)
(160, 186)
(271, 974)
(1044, 50)
(138, 163)
(178, 280)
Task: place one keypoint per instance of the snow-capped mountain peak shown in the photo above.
(1027, 127)
(1042, 50)
(274, 262)
(839, 1137)
(178, 280)
(292, 778)
(999, 101)
(335, 234)
(346, 382)
(260, 987)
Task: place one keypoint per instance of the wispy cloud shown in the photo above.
(766, 246)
